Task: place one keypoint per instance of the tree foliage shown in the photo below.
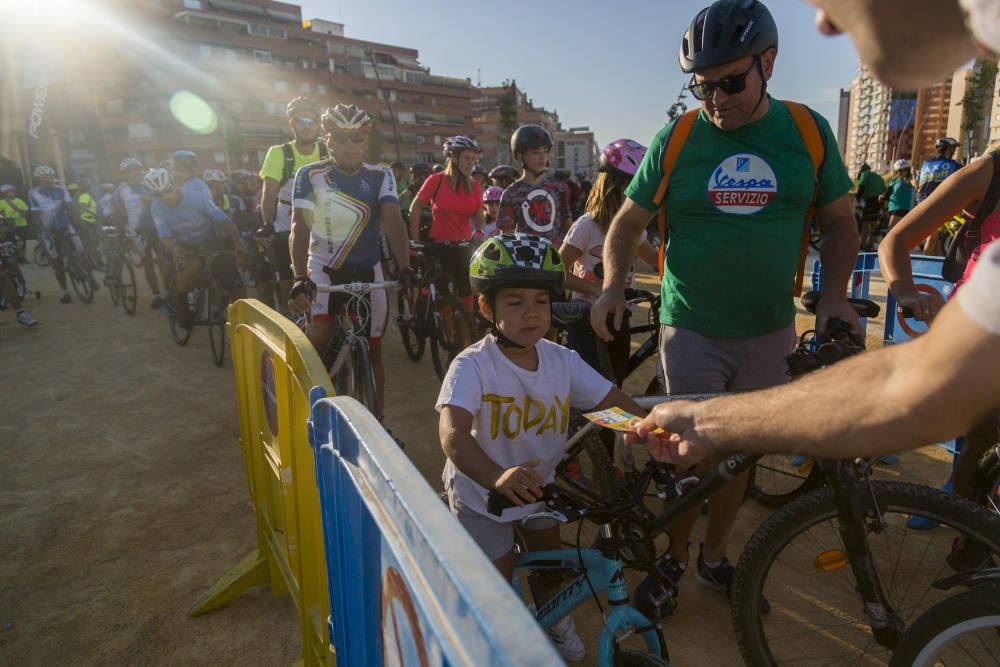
(976, 101)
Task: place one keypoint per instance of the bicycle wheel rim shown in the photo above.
(413, 342)
(40, 256)
(364, 377)
(962, 630)
(127, 287)
(816, 616)
(78, 278)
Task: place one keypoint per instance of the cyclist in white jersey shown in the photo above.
(339, 207)
(131, 210)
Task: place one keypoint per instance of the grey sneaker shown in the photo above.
(26, 320)
(563, 635)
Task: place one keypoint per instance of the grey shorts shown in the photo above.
(694, 362)
(495, 538)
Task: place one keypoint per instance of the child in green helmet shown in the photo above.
(505, 406)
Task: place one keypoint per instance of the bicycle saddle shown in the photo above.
(863, 307)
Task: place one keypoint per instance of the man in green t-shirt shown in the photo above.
(736, 200)
(278, 172)
(868, 189)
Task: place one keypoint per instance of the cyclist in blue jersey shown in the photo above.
(186, 172)
(932, 173)
(339, 209)
(190, 227)
(54, 211)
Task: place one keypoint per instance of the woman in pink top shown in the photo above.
(965, 189)
(455, 199)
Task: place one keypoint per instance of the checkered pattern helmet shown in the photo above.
(517, 260)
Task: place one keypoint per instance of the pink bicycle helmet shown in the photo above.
(622, 156)
(492, 194)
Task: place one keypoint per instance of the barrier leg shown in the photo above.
(251, 571)
(922, 523)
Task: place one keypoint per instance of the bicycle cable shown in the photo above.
(586, 577)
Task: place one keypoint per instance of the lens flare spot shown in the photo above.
(193, 112)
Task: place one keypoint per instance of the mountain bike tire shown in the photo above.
(962, 629)
(180, 335)
(127, 287)
(40, 256)
(781, 563)
(412, 330)
(216, 319)
(446, 345)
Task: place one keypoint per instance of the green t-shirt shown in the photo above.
(736, 203)
(873, 185)
(14, 208)
(901, 195)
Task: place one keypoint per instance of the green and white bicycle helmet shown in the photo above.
(517, 260)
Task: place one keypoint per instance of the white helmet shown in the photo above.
(108, 186)
(158, 180)
(128, 163)
(900, 165)
(346, 117)
(215, 175)
(44, 170)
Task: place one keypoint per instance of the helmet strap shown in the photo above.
(502, 340)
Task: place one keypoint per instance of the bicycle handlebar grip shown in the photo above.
(496, 503)
(906, 312)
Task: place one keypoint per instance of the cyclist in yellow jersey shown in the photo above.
(280, 165)
(14, 208)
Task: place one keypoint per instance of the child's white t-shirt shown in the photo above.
(586, 236)
(518, 415)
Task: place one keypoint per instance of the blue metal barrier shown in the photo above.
(408, 586)
(899, 329)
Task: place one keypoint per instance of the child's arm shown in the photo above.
(520, 484)
(616, 398)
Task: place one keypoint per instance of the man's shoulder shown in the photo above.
(376, 168)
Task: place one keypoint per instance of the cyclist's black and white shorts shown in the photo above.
(327, 305)
(48, 239)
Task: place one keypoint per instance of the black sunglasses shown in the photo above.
(344, 137)
(304, 120)
(730, 85)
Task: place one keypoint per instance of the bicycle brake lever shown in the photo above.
(548, 514)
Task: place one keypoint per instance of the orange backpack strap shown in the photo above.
(675, 143)
(811, 137)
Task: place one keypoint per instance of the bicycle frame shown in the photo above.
(605, 574)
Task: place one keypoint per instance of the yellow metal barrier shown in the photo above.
(275, 367)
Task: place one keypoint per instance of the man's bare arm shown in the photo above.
(298, 240)
(395, 231)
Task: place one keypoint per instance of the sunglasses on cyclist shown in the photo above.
(305, 120)
(344, 137)
(730, 85)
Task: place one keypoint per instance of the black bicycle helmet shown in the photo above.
(421, 168)
(504, 171)
(726, 31)
(946, 142)
(185, 159)
(527, 137)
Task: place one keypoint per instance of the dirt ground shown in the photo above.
(124, 498)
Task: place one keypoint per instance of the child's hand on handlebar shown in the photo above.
(521, 484)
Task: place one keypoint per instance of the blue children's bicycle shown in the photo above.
(624, 540)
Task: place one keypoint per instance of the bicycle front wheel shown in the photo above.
(364, 376)
(127, 288)
(451, 334)
(798, 562)
(960, 630)
(40, 256)
(410, 329)
(216, 318)
(79, 278)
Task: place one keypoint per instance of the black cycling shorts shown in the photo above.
(455, 269)
(224, 269)
(282, 256)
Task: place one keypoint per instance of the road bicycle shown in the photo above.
(74, 264)
(207, 302)
(119, 277)
(430, 311)
(9, 265)
(960, 630)
(347, 357)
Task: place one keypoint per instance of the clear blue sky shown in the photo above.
(610, 65)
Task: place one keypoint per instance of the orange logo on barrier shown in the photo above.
(268, 391)
(402, 638)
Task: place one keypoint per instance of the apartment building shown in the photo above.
(491, 104)
(215, 76)
(576, 151)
